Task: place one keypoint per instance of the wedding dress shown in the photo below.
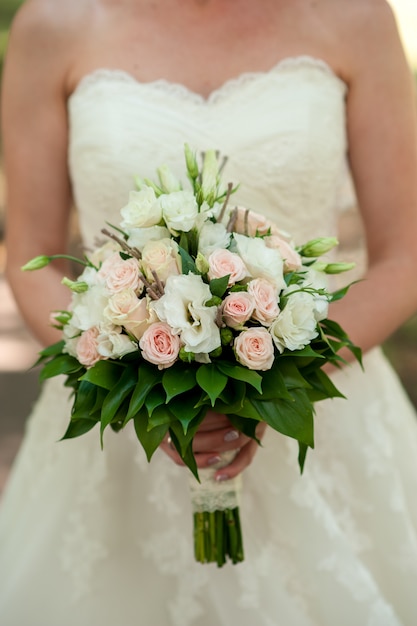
(93, 538)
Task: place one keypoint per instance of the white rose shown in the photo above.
(142, 210)
(138, 237)
(88, 307)
(182, 307)
(207, 212)
(113, 344)
(318, 280)
(179, 210)
(261, 261)
(296, 325)
(212, 237)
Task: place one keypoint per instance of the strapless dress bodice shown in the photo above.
(283, 132)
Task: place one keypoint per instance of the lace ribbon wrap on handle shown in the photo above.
(210, 495)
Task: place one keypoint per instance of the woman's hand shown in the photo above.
(216, 435)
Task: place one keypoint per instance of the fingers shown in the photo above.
(209, 445)
(243, 459)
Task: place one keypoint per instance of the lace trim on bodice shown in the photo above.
(226, 89)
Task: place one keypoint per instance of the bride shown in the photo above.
(97, 91)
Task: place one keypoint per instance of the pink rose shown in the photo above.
(118, 274)
(237, 308)
(223, 262)
(290, 256)
(86, 348)
(160, 345)
(255, 349)
(266, 300)
(250, 223)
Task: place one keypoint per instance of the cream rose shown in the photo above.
(142, 210)
(254, 349)
(237, 309)
(162, 257)
(126, 309)
(223, 262)
(119, 274)
(87, 347)
(265, 296)
(160, 345)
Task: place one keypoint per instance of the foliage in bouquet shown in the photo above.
(189, 306)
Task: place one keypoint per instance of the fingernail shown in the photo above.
(213, 460)
(222, 477)
(232, 435)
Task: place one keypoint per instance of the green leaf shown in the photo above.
(307, 351)
(185, 439)
(84, 400)
(186, 409)
(211, 380)
(104, 374)
(245, 425)
(155, 398)
(148, 377)
(186, 453)
(52, 350)
(273, 385)
(177, 380)
(294, 419)
(241, 373)
(187, 262)
(293, 378)
(78, 427)
(340, 293)
(60, 364)
(116, 396)
(150, 439)
(159, 417)
(248, 410)
(302, 453)
(218, 286)
(322, 387)
(183, 242)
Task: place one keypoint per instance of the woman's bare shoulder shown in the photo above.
(50, 21)
(365, 35)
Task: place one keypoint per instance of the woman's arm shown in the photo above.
(34, 128)
(382, 134)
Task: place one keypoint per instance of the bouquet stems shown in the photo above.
(217, 529)
(218, 536)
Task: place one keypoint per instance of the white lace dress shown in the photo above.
(93, 538)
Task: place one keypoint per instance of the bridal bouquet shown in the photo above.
(191, 306)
